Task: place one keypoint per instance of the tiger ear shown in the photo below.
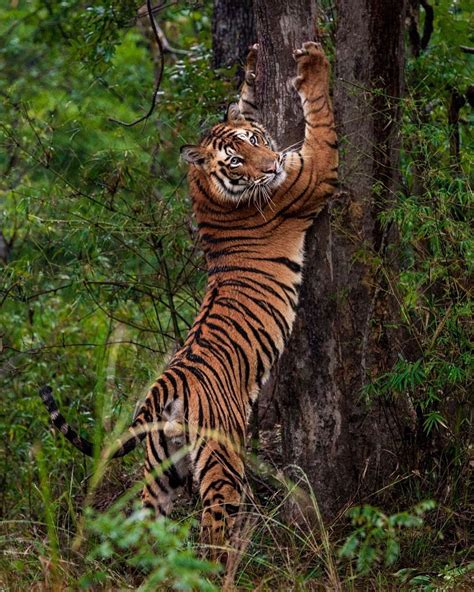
(193, 154)
(233, 113)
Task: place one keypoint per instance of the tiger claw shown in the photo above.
(312, 65)
(297, 82)
(251, 64)
(309, 48)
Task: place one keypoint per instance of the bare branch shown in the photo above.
(167, 48)
(457, 101)
(428, 26)
(418, 43)
(159, 77)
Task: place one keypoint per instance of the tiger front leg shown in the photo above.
(247, 102)
(312, 85)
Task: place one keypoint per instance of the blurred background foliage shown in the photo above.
(102, 276)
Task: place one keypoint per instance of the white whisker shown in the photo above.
(292, 146)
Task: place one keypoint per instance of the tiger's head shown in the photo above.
(239, 159)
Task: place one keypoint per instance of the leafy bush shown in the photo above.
(159, 549)
(376, 539)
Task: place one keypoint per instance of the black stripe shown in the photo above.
(318, 110)
(318, 125)
(237, 347)
(200, 360)
(292, 265)
(238, 306)
(315, 100)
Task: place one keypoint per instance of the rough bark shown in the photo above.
(233, 32)
(281, 27)
(340, 339)
(4, 248)
(456, 103)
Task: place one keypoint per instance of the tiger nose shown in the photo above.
(272, 168)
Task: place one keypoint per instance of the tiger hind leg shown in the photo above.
(220, 476)
(166, 472)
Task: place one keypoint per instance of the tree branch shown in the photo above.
(418, 43)
(428, 26)
(457, 101)
(160, 72)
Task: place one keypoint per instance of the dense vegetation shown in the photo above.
(102, 276)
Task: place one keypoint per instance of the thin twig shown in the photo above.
(155, 10)
(160, 74)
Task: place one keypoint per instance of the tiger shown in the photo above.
(253, 206)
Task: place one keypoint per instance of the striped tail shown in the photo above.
(85, 446)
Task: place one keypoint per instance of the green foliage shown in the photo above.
(159, 549)
(433, 219)
(449, 579)
(376, 538)
(102, 276)
(432, 285)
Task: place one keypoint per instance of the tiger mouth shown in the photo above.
(268, 179)
(277, 178)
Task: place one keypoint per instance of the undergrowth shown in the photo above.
(123, 547)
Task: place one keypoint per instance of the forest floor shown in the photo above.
(277, 553)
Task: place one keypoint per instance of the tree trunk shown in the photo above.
(233, 32)
(281, 27)
(340, 339)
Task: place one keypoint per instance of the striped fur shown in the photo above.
(253, 206)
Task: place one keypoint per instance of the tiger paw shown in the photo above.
(251, 65)
(312, 68)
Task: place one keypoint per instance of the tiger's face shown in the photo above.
(239, 159)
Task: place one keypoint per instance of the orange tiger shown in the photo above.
(253, 206)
